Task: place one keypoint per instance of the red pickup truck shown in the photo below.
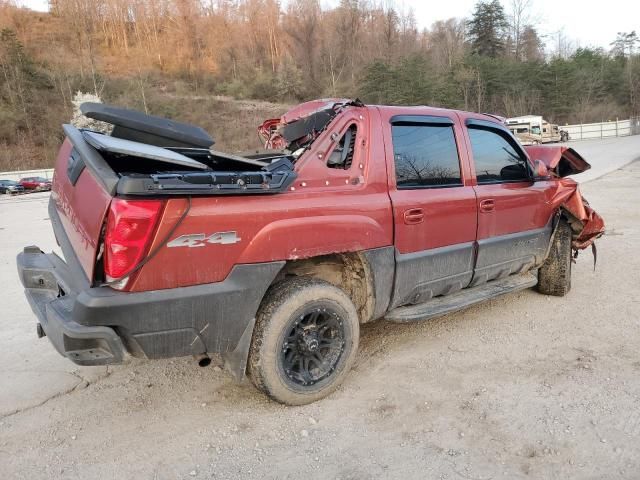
(273, 258)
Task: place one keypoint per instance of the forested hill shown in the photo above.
(171, 57)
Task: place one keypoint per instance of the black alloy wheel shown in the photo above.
(313, 346)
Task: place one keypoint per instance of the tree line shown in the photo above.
(148, 53)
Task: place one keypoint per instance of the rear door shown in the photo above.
(514, 213)
(434, 209)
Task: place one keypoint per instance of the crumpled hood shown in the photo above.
(561, 160)
(301, 125)
(307, 108)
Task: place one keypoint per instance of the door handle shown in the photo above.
(488, 205)
(413, 216)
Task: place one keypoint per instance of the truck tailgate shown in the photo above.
(81, 200)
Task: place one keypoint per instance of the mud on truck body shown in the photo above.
(273, 258)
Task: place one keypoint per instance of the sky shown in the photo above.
(586, 23)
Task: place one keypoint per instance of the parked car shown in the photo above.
(10, 187)
(275, 258)
(36, 183)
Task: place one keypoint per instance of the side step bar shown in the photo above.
(462, 299)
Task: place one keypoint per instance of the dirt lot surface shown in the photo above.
(524, 386)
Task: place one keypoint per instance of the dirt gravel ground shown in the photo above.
(524, 386)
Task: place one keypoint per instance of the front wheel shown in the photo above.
(305, 341)
(554, 277)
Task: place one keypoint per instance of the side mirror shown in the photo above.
(540, 170)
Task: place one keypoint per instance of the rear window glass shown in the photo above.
(343, 153)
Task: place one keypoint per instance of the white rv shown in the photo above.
(533, 129)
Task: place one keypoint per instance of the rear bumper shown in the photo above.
(47, 280)
(98, 326)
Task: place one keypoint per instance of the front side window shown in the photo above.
(425, 156)
(496, 158)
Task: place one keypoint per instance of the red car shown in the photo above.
(35, 183)
(274, 258)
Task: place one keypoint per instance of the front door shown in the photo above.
(435, 215)
(514, 215)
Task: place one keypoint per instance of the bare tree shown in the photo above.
(519, 18)
(447, 42)
(303, 28)
(563, 46)
(464, 78)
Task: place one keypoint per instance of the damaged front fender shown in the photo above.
(562, 161)
(585, 222)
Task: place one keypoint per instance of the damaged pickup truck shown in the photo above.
(274, 258)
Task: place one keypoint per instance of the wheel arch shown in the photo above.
(365, 276)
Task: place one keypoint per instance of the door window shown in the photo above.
(425, 156)
(496, 157)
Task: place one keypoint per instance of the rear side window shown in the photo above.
(496, 158)
(342, 155)
(425, 156)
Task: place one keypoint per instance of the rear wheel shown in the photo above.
(554, 277)
(304, 342)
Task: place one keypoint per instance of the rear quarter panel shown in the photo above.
(326, 211)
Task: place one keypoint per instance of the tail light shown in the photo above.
(130, 228)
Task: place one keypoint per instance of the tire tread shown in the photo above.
(269, 318)
(554, 277)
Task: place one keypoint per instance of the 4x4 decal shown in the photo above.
(200, 239)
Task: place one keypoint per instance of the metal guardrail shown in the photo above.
(43, 172)
(617, 128)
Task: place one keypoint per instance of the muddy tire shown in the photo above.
(304, 342)
(554, 277)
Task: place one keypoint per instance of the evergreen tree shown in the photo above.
(625, 44)
(531, 49)
(488, 29)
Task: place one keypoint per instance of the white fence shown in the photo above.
(45, 172)
(617, 128)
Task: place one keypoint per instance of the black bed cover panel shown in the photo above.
(140, 127)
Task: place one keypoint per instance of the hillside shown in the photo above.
(185, 59)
